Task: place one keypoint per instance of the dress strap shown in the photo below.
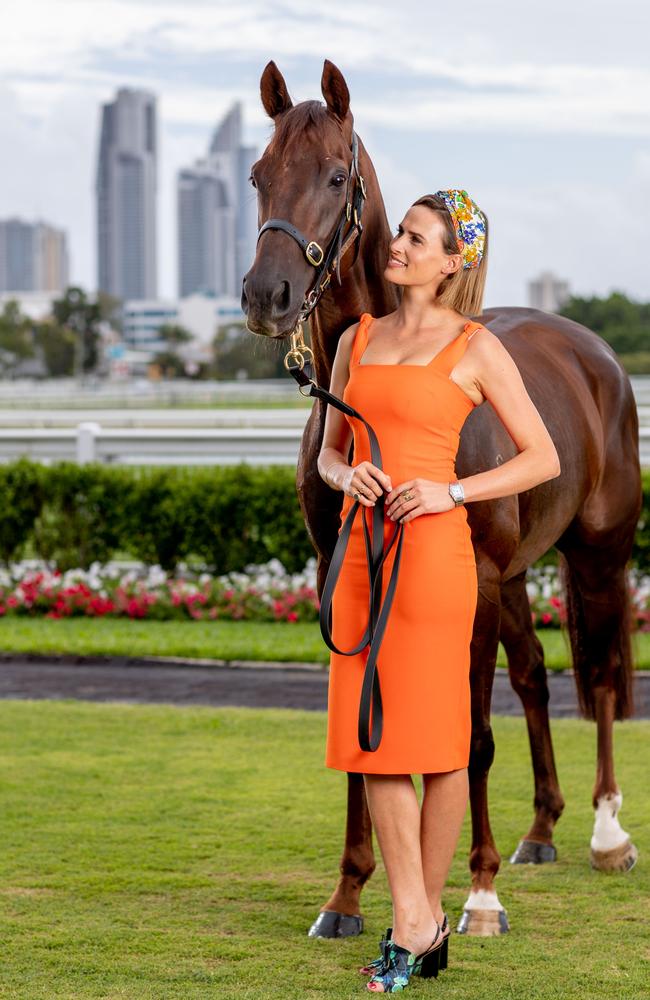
(453, 352)
(360, 339)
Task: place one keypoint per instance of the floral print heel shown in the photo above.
(401, 964)
(378, 963)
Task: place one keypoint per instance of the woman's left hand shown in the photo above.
(427, 497)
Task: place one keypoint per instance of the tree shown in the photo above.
(57, 346)
(82, 317)
(16, 339)
(171, 366)
(174, 334)
(236, 350)
(624, 324)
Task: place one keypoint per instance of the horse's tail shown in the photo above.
(609, 626)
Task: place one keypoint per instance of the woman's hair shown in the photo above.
(463, 289)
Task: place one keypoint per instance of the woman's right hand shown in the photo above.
(368, 481)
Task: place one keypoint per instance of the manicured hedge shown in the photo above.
(226, 516)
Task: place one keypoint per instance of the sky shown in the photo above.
(541, 112)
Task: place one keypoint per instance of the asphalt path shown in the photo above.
(236, 683)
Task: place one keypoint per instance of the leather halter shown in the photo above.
(328, 261)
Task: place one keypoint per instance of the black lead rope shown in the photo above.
(369, 734)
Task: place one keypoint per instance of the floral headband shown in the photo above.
(469, 223)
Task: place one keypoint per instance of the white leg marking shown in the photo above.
(483, 899)
(608, 833)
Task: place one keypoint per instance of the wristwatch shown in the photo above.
(457, 493)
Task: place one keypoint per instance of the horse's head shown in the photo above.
(304, 179)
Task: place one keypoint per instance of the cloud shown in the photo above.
(522, 104)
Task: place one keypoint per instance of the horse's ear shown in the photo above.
(335, 90)
(273, 90)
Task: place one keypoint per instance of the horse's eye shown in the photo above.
(338, 179)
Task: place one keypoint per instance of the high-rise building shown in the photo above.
(33, 257)
(217, 214)
(126, 196)
(548, 292)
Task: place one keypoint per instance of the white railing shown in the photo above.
(194, 436)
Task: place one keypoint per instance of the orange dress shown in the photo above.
(417, 413)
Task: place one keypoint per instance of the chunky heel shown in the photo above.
(431, 964)
(444, 952)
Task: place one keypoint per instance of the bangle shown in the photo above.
(330, 466)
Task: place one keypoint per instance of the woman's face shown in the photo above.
(416, 255)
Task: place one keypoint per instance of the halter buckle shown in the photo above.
(314, 253)
(362, 185)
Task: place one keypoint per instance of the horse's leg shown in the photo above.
(528, 678)
(340, 915)
(483, 914)
(611, 847)
(599, 619)
(599, 623)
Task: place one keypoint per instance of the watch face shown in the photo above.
(456, 491)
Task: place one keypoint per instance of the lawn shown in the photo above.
(161, 853)
(224, 640)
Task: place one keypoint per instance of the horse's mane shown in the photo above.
(300, 120)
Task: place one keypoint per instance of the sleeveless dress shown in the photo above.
(417, 413)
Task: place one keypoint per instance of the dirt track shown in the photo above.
(273, 685)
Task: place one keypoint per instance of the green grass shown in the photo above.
(217, 640)
(160, 853)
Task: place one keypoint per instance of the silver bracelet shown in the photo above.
(330, 466)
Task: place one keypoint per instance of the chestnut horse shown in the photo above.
(589, 512)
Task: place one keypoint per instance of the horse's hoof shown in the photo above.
(531, 852)
(330, 924)
(618, 859)
(483, 923)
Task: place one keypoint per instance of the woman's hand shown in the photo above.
(366, 480)
(426, 497)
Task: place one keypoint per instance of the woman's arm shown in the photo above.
(501, 383)
(337, 435)
(365, 478)
(496, 374)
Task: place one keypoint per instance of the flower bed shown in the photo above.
(260, 593)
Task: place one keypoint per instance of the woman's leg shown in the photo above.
(395, 814)
(444, 803)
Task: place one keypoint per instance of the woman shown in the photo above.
(415, 375)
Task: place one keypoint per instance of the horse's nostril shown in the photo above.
(281, 298)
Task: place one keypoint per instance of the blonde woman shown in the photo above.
(416, 375)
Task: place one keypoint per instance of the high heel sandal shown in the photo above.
(378, 963)
(441, 952)
(401, 964)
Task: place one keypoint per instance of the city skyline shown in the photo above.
(539, 114)
(33, 256)
(216, 226)
(126, 202)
